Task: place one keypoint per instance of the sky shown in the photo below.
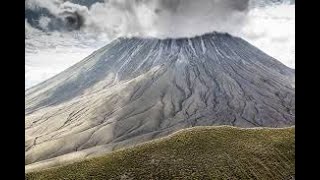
(60, 33)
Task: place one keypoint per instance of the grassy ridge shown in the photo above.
(197, 153)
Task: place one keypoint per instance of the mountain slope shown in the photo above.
(195, 153)
(138, 89)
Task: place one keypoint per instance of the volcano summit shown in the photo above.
(137, 89)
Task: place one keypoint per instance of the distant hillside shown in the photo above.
(197, 153)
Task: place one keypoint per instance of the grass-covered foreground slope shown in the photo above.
(196, 153)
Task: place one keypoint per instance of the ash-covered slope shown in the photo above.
(137, 89)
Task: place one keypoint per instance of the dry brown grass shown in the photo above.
(197, 153)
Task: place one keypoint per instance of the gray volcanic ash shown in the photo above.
(137, 89)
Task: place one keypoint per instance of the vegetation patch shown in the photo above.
(197, 153)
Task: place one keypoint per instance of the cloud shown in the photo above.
(57, 29)
(159, 18)
(272, 29)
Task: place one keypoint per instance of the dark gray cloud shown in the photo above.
(164, 18)
(138, 16)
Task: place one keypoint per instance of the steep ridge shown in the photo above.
(137, 89)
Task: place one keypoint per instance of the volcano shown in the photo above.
(137, 89)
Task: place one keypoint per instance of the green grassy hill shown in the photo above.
(196, 153)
